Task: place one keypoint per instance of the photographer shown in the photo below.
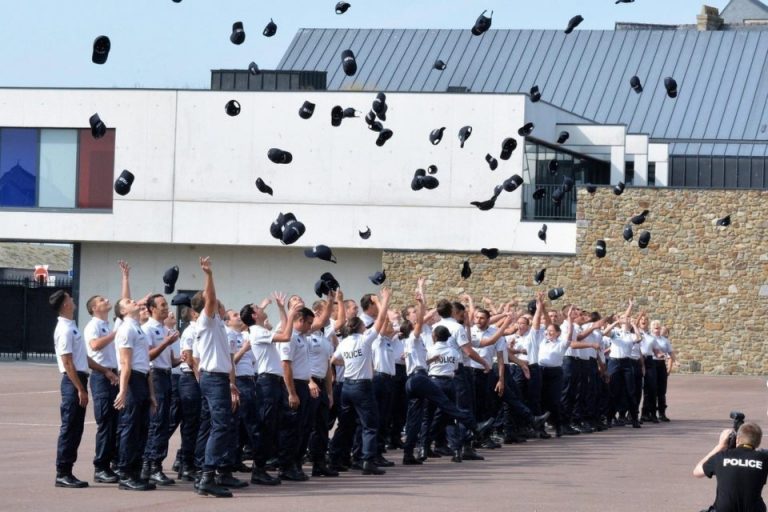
(740, 471)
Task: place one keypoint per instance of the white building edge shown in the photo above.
(195, 169)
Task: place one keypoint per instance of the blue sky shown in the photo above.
(162, 44)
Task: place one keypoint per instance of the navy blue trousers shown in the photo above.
(216, 422)
(318, 422)
(650, 386)
(191, 403)
(551, 393)
(292, 427)
(661, 386)
(159, 422)
(622, 373)
(72, 424)
(134, 423)
(103, 394)
(246, 415)
(383, 389)
(419, 390)
(270, 391)
(358, 400)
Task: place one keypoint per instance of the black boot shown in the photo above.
(456, 456)
(470, 454)
(382, 462)
(369, 468)
(157, 476)
(187, 472)
(259, 476)
(67, 480)
(409, 459)
(105, 476)
(322, 469)
(129, 482)
(146, 470)
(225, 479)
(176, 468)
(209, 487)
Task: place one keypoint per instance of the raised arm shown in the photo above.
(341, 311)
(491, 340)
(422, 307)
(321, 320)
(383, 305)
(125, 286)
(536, 322)
(286, 330)
(209, 291)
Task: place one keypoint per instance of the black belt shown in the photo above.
(140, 374)
(215, 373)
(356, 381)
(164, 371)
(478, 370)
(441, 377)
(648, 357)
(383, 375)
(187, 372)
(319, 381)
(420, 371)
(301, 381)
(270, 376)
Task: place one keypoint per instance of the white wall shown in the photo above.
(241, 274)
(195, 169)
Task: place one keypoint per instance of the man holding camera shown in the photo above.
(741, 470)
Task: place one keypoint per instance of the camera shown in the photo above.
(738, 421)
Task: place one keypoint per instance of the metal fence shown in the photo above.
(545, 208)
(26, 320)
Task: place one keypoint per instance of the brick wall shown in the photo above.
(708, 284)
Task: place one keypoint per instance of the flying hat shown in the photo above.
(439, 65)
(279, 156)
(543, 233)
(263, 187)
(539, 193)
(539, 277)
(169, 278)
(644, 239)
(628, 234)
(555, 293)
(466, 271)
(492, 162)
(525, 130)
(564, 136)
(348, 62)
(618, 189)
(573, 23)
(123, 182)
(507, 147)
(491, 254)
(464, 133)
(101, 47)
(378, 278)
(270, 29)
(511, 183)
(337, 114)
(98, 128)
(253, 68)
(600, 249)
(306, 110)
(639, 218)
(724, 222)
(365, 235)
(232, 108)
(181, 299)
(238, 33)
(636, 85)
(342, 7)
(436, 135)
(482, 24)
(322, 252)
(671, 86)
(535, 94)
(384, 136)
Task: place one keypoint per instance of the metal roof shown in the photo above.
(721, 76)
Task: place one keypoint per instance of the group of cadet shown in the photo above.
(439, 382)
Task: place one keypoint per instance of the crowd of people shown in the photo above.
(339, 384)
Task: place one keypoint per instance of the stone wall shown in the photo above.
(708, 284)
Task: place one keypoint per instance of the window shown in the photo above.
(652, 174)
(56, 168)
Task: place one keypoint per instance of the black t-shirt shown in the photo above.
(741, 475)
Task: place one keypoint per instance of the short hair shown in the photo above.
(152, 301)
(305, 313)
(56, 300)
(441, 333)
(346, 302)
(523, 317)
(444, 308)
(557, 328)
(458, 306)
(185, 313)
(404, 312)
(656, 323)
(116, 309)
(483, 311)
(594, 316)
(749, 433)
(89, 304)
(318, 305)
(246, 315)
(406, 328)
(198, 302)
(366, 301)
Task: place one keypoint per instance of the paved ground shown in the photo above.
(621, 469)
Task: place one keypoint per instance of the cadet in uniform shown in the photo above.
(218, 389)
(355, 351)
(135, 398)
(99, 340)
(73, 362)
(161, 358)
(189, 396)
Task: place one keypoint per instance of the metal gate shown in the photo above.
(27, 321)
